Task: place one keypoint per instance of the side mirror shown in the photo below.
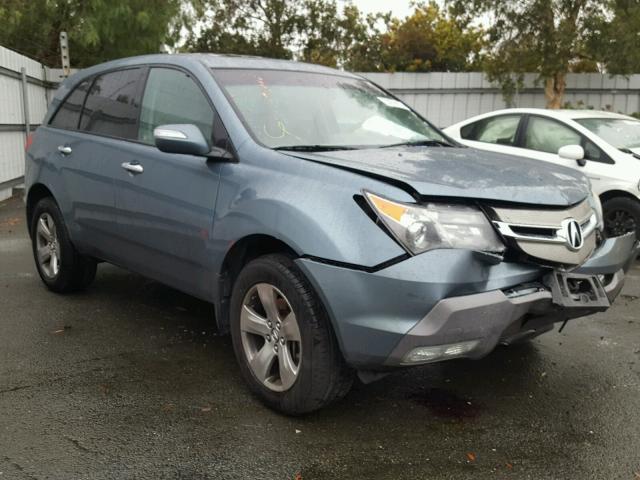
(186, 139)
(572, 152)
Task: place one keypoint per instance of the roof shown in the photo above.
(565, 114)
(244, 61)
(213, 60)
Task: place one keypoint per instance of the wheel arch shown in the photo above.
(36, 193)
(239, 254)
(610, 194)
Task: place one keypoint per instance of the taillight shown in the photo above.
(29, 141)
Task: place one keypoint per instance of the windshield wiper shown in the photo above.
(420, 143)
(314, 148)
(629, 151)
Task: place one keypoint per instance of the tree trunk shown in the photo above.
(554, 90)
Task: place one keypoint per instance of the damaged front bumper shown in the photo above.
(452, 304)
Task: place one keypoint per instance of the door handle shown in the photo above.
(64, 149)
(133, 167)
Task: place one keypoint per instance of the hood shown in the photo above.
(636, 151)
(464, 172)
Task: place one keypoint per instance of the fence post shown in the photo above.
(64, 52)
(25, 104)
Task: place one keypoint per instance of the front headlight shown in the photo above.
(420, 228)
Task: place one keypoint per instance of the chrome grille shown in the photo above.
(550, 235)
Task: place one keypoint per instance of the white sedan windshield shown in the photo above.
(619, 132)
(286, 108)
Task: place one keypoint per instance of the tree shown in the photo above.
(368, 46)
(547, 37)
(318, 31)
(615, 38)
(432, 40)
(99, 30)
(254, 27)
(346, 39)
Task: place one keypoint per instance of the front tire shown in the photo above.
(621, 216)
(60, 266)
(283, 339)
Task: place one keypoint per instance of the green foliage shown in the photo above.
(615, 39)
(548, 37)
(318, 31)
(248, 27)
(99, 30)
(432, 40)
(310, 30)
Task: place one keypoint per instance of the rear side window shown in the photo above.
(171, 96)
(112, 105)
(68, 115)
(500, 130)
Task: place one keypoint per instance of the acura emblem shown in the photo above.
(573, 234)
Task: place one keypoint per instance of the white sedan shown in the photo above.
(604, 145)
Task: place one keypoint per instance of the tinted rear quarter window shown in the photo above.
(68, 115)
(112, 105)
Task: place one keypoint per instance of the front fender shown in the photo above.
(308, 206)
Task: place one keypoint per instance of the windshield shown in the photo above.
(298, 109)
(620, 132)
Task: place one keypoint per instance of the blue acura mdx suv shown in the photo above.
(334, 229)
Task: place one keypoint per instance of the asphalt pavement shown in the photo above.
(130, 380)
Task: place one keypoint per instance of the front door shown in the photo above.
(543, 137)
(166, 202)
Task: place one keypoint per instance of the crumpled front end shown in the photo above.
(454, 303)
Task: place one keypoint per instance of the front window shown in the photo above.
(622, 133)
(171, 96)
(288, 109)
(547, 135)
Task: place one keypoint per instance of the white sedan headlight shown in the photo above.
(420, 228)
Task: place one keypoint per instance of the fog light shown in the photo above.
(439, 352)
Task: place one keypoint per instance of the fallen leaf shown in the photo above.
(61, 330)
(509, 466)
(12, 222)
(471, 457)
(298, 476)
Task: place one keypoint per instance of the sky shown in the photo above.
(399, 8)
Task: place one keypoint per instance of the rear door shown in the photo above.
(97, 116)
(499, 133)
(166, 208)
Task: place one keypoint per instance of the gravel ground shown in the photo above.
(130, 380)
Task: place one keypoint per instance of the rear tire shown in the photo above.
(621, 215)
(277, 316)
(60, 266)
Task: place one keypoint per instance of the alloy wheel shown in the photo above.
(619, 222)
(270, 337)
(47, 246)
